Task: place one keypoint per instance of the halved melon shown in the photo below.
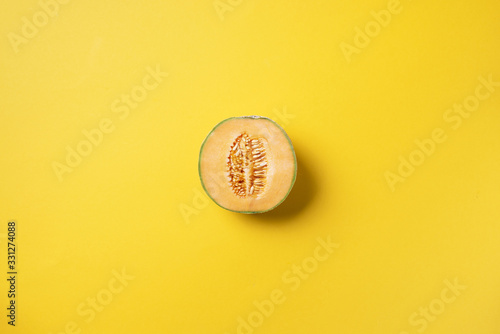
(247, 164)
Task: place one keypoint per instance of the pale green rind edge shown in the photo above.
(294, 160)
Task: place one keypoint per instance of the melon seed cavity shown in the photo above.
(247, 166)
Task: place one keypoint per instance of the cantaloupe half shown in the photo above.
(247, 164)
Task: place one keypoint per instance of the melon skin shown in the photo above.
(281, 161)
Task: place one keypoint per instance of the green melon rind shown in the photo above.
(294, 160)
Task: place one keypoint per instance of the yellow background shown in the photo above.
(124, 206)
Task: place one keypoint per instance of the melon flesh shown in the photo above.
(247, 164)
